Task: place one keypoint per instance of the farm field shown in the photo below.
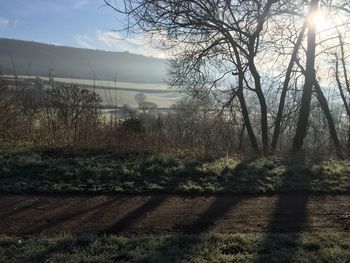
(121, 93)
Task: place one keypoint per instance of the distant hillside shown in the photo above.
(24, 58)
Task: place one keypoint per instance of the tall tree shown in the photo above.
(340, 84)
(285, 86)
(304, 112)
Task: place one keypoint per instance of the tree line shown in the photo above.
(280, 64)
(71, 116)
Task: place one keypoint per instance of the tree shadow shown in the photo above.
(151, 204)
(289, 216)
(204, 224)
(6, 204)
(289, 205)
(13, 210)
(141, 211)
(217, 209)
(207, 221)
(246, 174)
(53, 222)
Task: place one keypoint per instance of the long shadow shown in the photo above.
(122, 224)
(67, 217)
(152, 204)
(9, 204)
(21, 209)
(206, 222)
(149, 206)
(145, 208)
(218, 209)
(289, 216)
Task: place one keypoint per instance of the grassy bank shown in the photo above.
(306, 247)
(102, 171)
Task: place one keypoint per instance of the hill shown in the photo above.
(32, 58)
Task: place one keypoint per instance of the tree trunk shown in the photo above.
(240, 145)
(285, 86)
(324, 106)
(244, 108)
(247, 122)
(309, 81)
(347, 85)
(252, 47)
(263, 107)
(332, 130)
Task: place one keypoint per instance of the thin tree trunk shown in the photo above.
(325, 108)
(240, 145)
(340, 86)
(263, 107)
(244, 108)
(332, 130)
(252, 46)
(348, 144)
(347, 84)
(247, 122)
(285, 86)
(309, 81)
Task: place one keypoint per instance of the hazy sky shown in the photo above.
(76, 23)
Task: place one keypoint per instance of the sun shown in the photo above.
(319, 21)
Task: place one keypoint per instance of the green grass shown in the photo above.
(29, 170)
(305, 247)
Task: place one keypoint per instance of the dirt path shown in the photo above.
(34, 214)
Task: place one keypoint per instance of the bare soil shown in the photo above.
(22, 215)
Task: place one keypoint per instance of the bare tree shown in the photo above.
(341, 83)
(140, 98)
(286, 83)
(74, 107)
(309, 81)
(211, 39)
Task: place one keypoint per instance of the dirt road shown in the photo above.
(22, 215)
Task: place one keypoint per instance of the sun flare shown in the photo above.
(319, 21)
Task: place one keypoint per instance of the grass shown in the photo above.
(305, 247)
(56, 171)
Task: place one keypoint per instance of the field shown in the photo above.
(121, 93)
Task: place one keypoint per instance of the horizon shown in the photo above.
(83, 48)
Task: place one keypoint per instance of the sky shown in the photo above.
(74, 23)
